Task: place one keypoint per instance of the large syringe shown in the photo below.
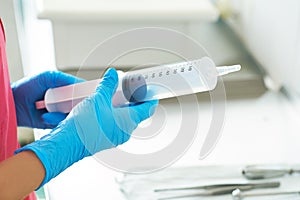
(157, 82)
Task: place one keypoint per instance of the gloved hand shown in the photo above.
(93, 125)
(29, 90)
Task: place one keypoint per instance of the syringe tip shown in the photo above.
(228, 69)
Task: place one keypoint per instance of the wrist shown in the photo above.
(57, 151)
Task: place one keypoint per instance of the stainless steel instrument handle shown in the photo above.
(226, 190)
(216, 186)
(263, 172)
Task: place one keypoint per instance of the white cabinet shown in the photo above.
(79, 26)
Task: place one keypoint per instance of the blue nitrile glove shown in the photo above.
(29, 90)
(93, 125)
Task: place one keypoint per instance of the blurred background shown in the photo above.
(263, 99)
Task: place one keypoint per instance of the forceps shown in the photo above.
(253, 172)
(217, 189)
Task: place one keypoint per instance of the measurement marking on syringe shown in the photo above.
(168, 72)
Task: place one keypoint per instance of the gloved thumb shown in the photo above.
(109, 82)
(52, 119)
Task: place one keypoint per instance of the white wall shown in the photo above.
(271, 31)
(37, 48)
(12, 44)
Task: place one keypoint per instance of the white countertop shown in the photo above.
(257, 130)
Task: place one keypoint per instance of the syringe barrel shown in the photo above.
(63, 99)
(178, 79)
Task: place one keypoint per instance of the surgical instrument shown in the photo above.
(219, 189)
(253, 172)
(239, 195)
(215, 186)
(158, 82)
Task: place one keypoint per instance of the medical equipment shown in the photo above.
(219, 189)
(234, 185)
(265, 171)
(238, 194)
(157, 82)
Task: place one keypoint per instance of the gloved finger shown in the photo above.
(52, 79)
(53, 118)
(109, 83)
(143, 111)
(66, 79)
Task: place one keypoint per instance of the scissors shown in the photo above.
(254, 172)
